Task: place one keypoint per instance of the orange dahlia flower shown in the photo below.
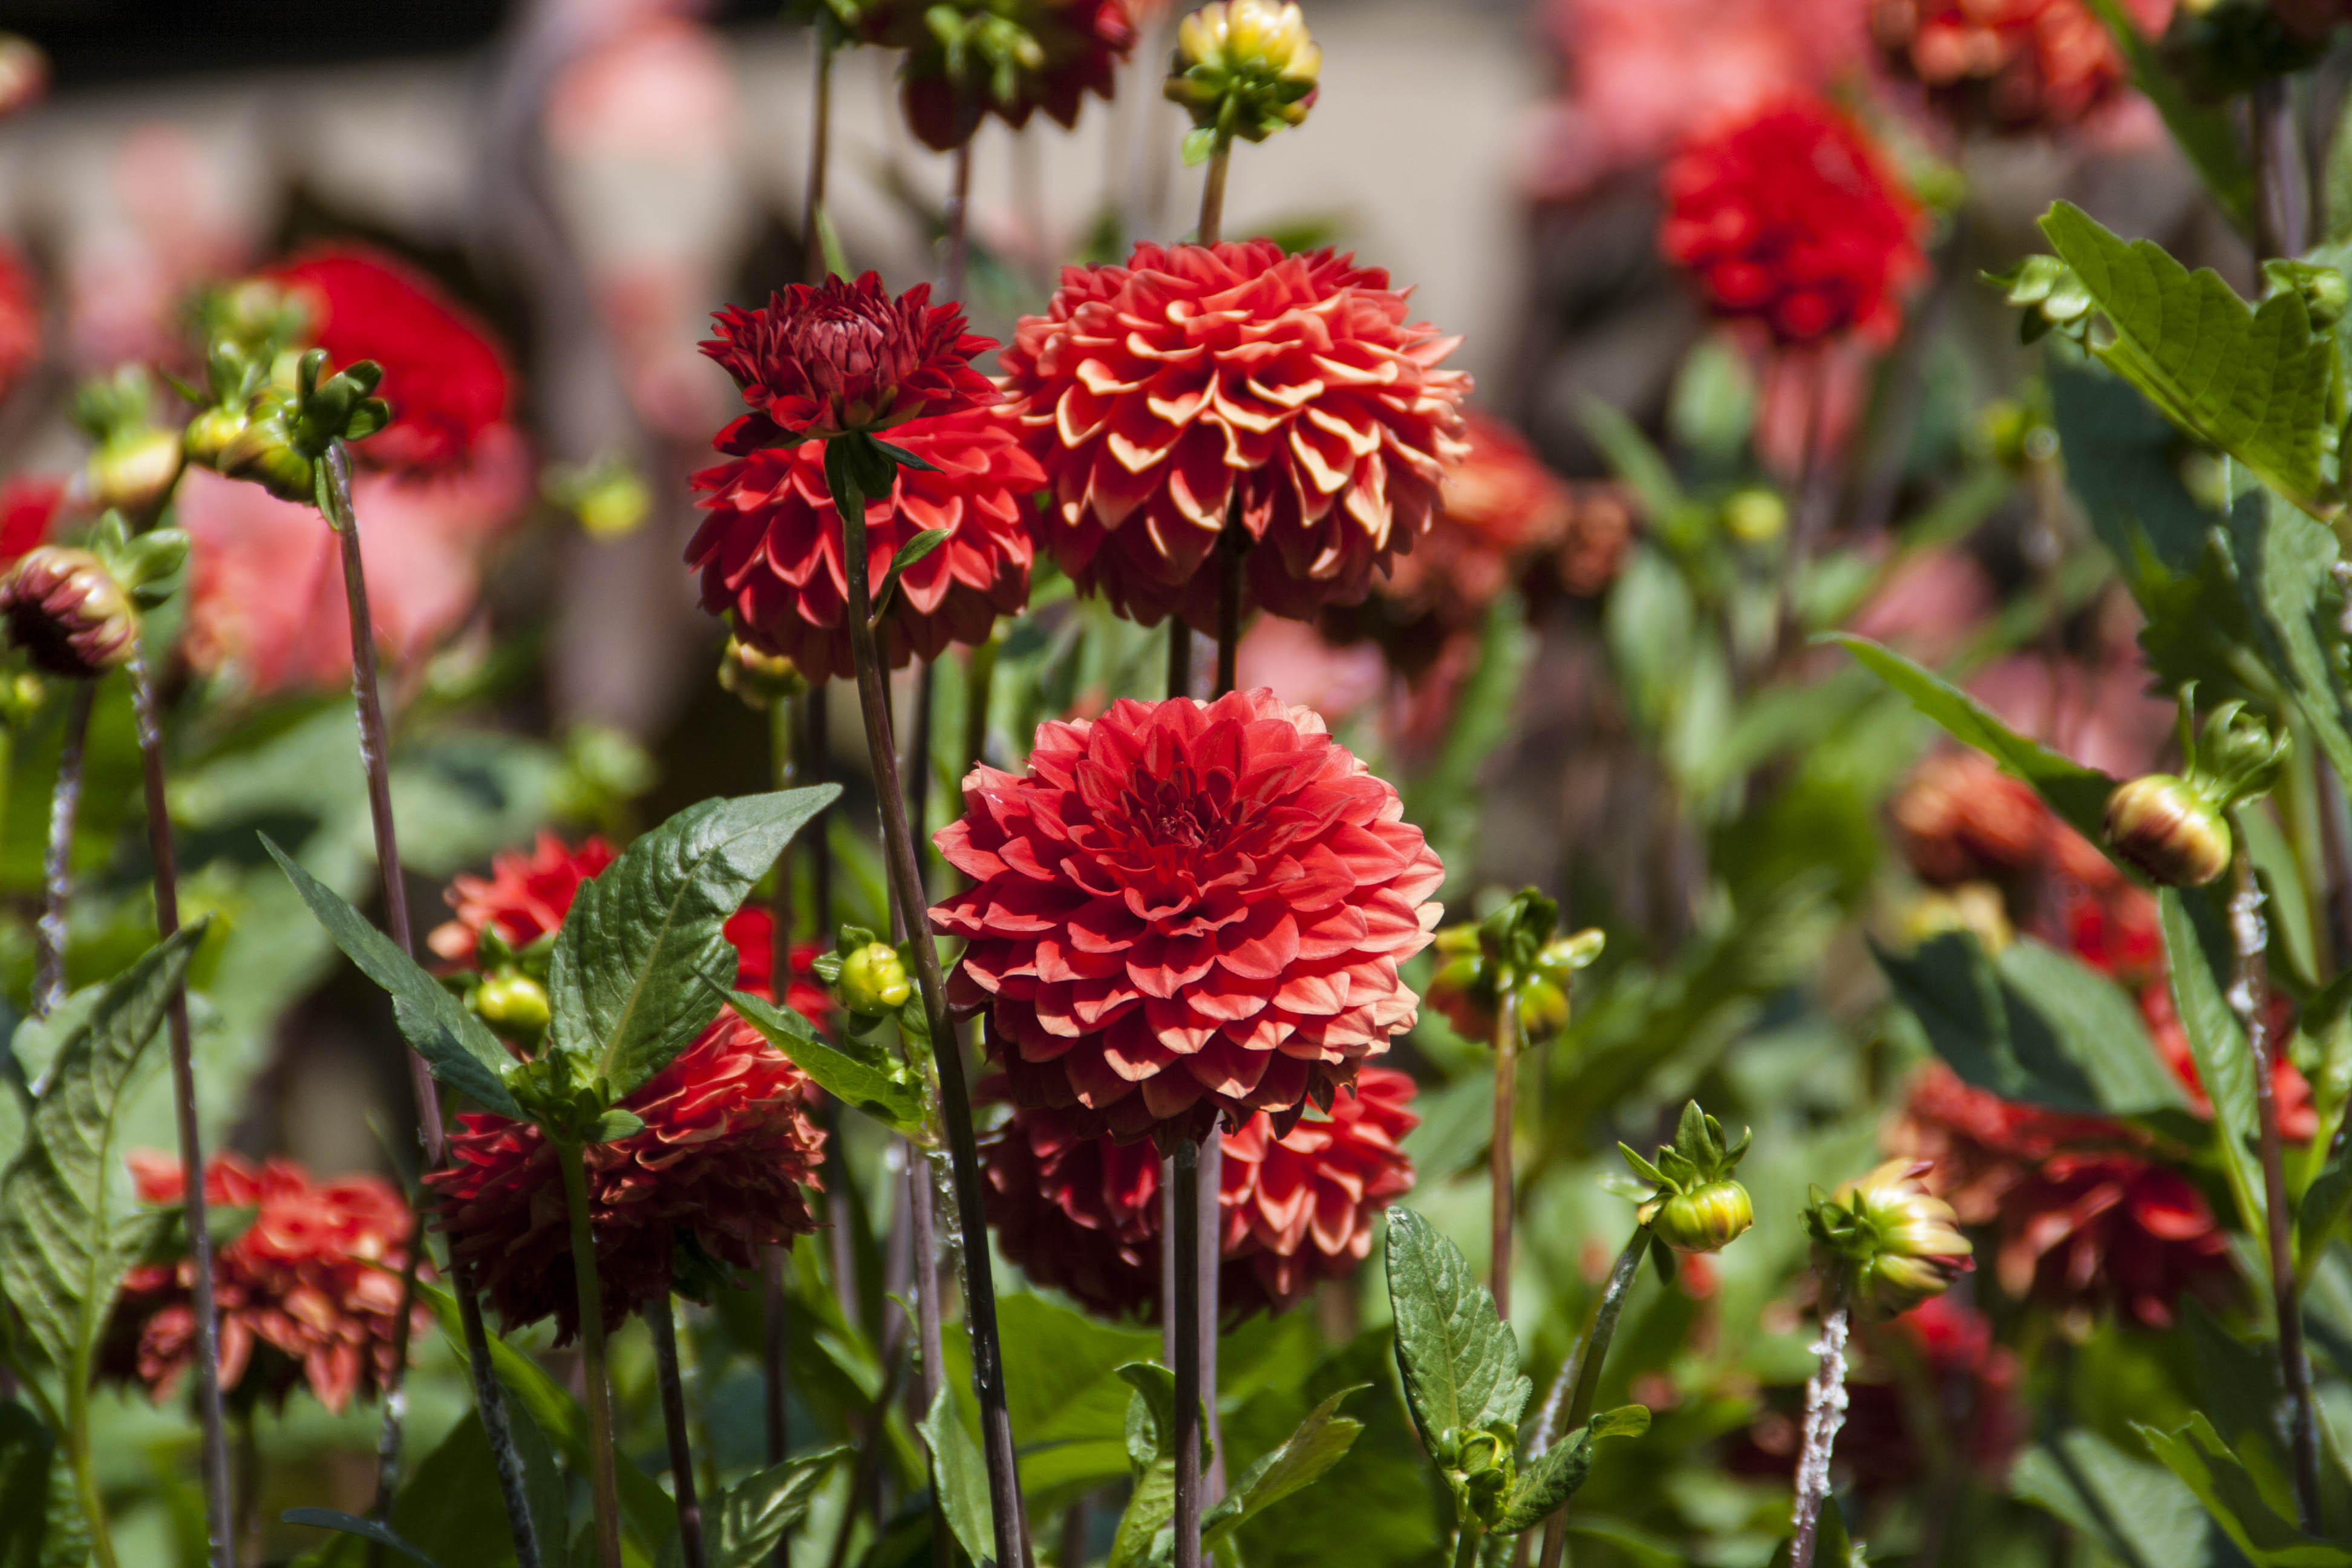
(770, 550)
(727, 1146)
(1185, 910)
(1789, 218)
(308, 1291)
(1291, 393)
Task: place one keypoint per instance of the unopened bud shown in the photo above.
(874, 981)
(1707, 1218)
(759, 678)
(210, 433)
(1887, 1241)
(263, 452)
(67, 612)
(1459, 993)
(1543, 1010)
(1756, 515)
(512, 1001)
(2167, 828)
(1244, 68)
(132, 471)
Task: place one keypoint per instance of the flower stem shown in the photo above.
(663, 1321)
(1502, 1194)
(955, 1097)
(957, 260)
(1212, 195)
(604, 1481)
(782, 727)
(1825, 1404)
(489, 1399)
(1581, 1373)
(1465, 1544)
(1179, 658)
(75, 1430)
(1184, 1210)
(217, 1507)
(820, 154)
(1233, 550)
(922, 1218)
(2250, 999)
(57, 865)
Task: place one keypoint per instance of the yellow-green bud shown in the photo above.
(1244, 68)
(874, 981)
(1756, 515)
(1889, 1242)
(133, 470)
(759, 678)
(1543, 1010)
(68, 612)
(2167, 828)
(1708, 1218)
(512, 1001)
(210, 433)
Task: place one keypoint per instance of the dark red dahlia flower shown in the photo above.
(1185, 908)
(2087, 1220)
(1961, 819)
(1029, 55)
(1197, 382)
(446, 381)
(728, 1144)
(1788, 217)
(2009, 66)
(771, 550)
(308, 1291)
(1082, 1214)
(816, 361)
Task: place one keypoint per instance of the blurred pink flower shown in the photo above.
(169, 215)
(1292, 659)
(266, 586)
(1929, 607)
(2102, 716)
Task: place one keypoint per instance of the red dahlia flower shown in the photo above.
(312, 1284)
(2009, 65)
(1788, 218)
(727, 1146)
(841, 356)
(1185, 910)
(1063, 50)
(1083, 1214)
(446, 381)
(771, 550)
(1196, 382)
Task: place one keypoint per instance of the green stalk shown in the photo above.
(85, 1473)
(1213, 193)
(1465, 1544)
(604, 1481)
(1580, 1376)
(1503, 1185)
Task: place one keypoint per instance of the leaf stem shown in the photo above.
(955, 1098)
(218, 1512)
(1184, 1210)
(1502, 1194)
(663, 1321)
(604, 1481)
(1579, 1377)
(1825, 1402)
(2250, 999)
(56, 865)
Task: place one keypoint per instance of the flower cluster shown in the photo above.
(1202, 385)
(1184, 910)
(1009, 58)
(307, 1291)
(2009, 66)
(1082, 1214)
(1789, 219)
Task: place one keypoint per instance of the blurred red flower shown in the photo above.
(771, 550)
(1788, 218)
(29, 505)
(1961, 819)
(20, 318)
(727, 1146)
(2010, 66)
(1199, 383)
(446, 381)
(1499, 508)
(1078, 44)
(1083, 1214)
(1185, 908)
(815, 361)
(308, 1291)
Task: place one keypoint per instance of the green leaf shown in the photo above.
(2075, 793)
(2034, 1024)
(1151, 1413)
(1552, 1480)
(65, 1234)
(749, 1518)
(914, 550)
(961, 1476)
(29, 1461)
(859, 1073)
(614, 1125)
(1197, 144)
(1321, 1441)
(2284, 560)
(1460, 1361)
(352, 1524)
(2138, 1511)
(1068, 1399)
(452, 1510)
(2198, 954)
(2252, 380)
(457, 1045)
(625, 982)
(2204, 130)
(2199, 1456)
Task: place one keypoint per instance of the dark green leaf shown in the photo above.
(2138, 1511)
(2074, 792)
(2284, 560)
(914, 550)
(1067, 1401)
(457, 1045)
(859, 1073)
(961, 1476)
(1151, 1413)
(2198, 954)
(29, 1461)
(451, 1512)
(2199, 1456)
(352, 1524)
(1460, 1361)
(627, 981)
(750, 1517)
(1552, 1480)
(1320, 1442)
(2252, 380)
(65, 1234)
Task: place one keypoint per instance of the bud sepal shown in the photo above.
(1695, 1205)
(1885, 1243)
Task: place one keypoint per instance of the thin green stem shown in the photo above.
(820, 155)
(1503, 1187)
(1465, 1544)
(1212, 195)
(604, 1481)
(663, 1321)
(1184, 1210)
(57, 864)
(1578, 1381)
(85, 1472)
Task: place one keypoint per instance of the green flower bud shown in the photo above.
(2168, 830)
(510, 1000)
(1543, 1010)
(759, 678)
(210, 433)
(1708, 1218)
(874, 981)
(1754, 515)
(263, 452)
(1885, 1241)
(132, 469)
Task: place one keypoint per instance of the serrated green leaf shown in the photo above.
(2284, 560)
(457, 1045)
(627, 984)
(66, 1238)
(2197, 1456)
(859, 1074)
(1321, 1441)
(961, 1476)
(2197, 953)
(353, 1524)
(1547, 1484)
(2251, 380)
(750, 1517)
(1460, 1359)
(2075, 793)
